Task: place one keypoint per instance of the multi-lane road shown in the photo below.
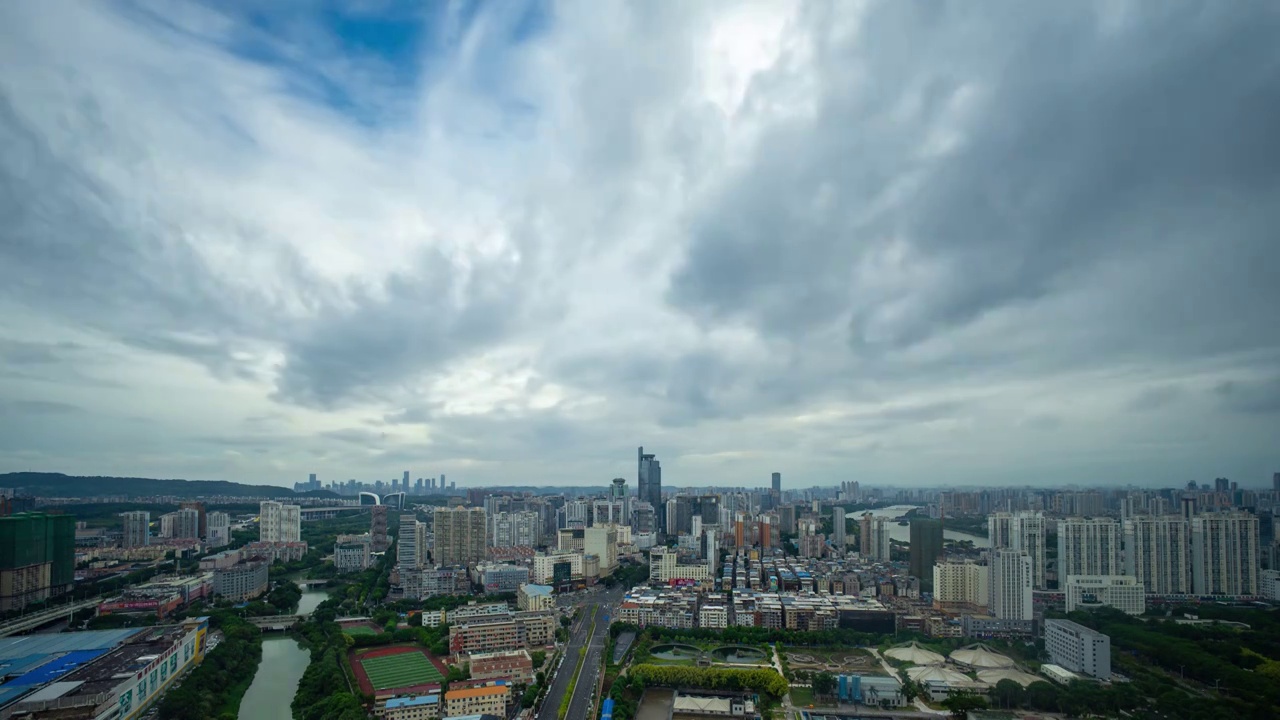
(597, 606)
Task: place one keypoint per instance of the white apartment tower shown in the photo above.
(137, 529)
(1022, 531)
(407, 544)
(961, 583)
(279, 523)
(875, 538)
(1011, 585)
(1088, 546)
(1224, 554)
(1157, 553)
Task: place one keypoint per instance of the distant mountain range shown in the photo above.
(40, 484)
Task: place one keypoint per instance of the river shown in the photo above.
(283, 662)
(902, 533)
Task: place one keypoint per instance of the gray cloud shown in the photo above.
(1259, 397)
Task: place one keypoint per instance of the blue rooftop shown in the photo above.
(537, 589)
(416, 701)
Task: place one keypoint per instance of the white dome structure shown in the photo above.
(980, 657)
(936, 673)
(991, 677)
(915, 654)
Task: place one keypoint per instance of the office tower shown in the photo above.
(202, 525)
(460, 536)
(311, 479)
(1224, 554)
(602, 541)
(407, 544)
(618, 490)
(649, 483)
(37, 558)
(926, 550)
(404, 483)
(1011, 585)
(963, 583)
(1221, 485)
(838, 528)
(1024, 531)
(441, 484)
(219, 529)
(574, 514)
(875, 538)
(137, 529)
(1088, 546)
(609, 512)
(777, 483)
(378, 527)
(1275, 482)
(1157, 553)
(279, 523)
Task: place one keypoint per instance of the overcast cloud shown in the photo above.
(902, 243)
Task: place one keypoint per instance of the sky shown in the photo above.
(909, 244)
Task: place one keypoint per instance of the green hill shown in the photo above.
(39, 484)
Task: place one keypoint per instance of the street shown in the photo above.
(584, 691)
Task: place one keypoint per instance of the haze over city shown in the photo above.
(904, 244)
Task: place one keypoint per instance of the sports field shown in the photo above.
(358, 630)
(400, 670)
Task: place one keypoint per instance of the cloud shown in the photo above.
(1255, 397)
(844, 241)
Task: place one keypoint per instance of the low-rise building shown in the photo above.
(500, 577)
(276, 551)
(242, 581)
(491, 700)
(1078, 648)
(417, 707)
(535, 597)
(513, 665)
(1122, 592)
(353, 553)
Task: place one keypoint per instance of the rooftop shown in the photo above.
(416, 701)
(477, 692)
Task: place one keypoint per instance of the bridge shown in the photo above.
(26, 623)
(276, 622)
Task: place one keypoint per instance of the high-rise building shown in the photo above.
(1024, 531)
(618, 490)
(378, 527)
(1275, 482)
(1011, 585)
(875, 538)
(460, 535)
(602, 541)
(649, 483)
(609, 512)
(37, 558)
(1088, 546)
(404, 483)
(1157, 553)
(777, 483)
(1224, 554)
(202, 526)
(643, 518)
(278, 522)
(407, 544)
(963, 583)
(516, 529)
(838, 528)
(219, 527)
(186, 524)
(137, 529)
(926, 549)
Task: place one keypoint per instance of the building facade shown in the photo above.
(137, 529)
(460, 536)
(1158, 553)
(1011, 585)
(1078, 648)
(1122, 592)
(1224, 554)
(278, 522)
(1088, 546)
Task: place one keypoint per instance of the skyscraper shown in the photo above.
(777, 483)
(378, 526)
(875, 538)
(1275, 482)
(1224, 554)
(1011, 585)
(460, 536)
(926, 549)
(649, 483)
(37, 558)
(137, 529)
(219, 529)
(202, 525)
(618, 490)
(1088, 546)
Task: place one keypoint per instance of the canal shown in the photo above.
(283, 662)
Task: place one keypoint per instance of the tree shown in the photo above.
(1007, 694)
(1041, 695)
(961, 702)
(824, 684)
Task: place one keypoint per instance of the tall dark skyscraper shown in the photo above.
(1275, 482)
(926, 550)
(777, 483)
(649, 484)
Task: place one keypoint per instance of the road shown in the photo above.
(600, 606)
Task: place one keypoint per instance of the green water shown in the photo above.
(283, 662)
